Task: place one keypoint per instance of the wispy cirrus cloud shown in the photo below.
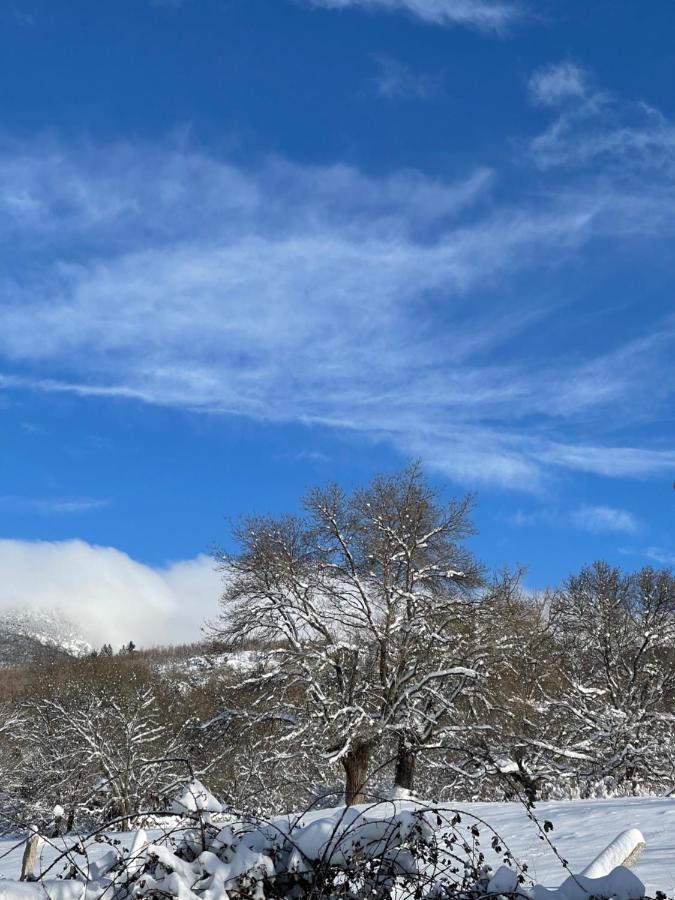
(325, 295)
(397, 81)
(663, 556)
(596, 519)
(556, 83)
(48, 506)
(605, 519)
(21, 18)
(595, 128)
(488, 15)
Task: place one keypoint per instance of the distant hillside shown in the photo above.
(35, 637)
(20, 651)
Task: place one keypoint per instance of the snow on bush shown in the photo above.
(196, 799)
(392, 849)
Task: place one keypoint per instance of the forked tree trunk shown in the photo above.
(404, 776)
(356, 771)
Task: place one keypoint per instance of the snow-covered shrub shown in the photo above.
(101, 754)
(378, 851)
(398, 850)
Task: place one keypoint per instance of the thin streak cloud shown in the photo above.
(487, 15)
(55, 505)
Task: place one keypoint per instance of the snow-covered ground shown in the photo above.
(581, 830)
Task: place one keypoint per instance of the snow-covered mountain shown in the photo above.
(29, 636)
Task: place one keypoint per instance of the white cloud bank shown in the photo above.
(108, 596)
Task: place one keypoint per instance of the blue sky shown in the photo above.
(251, 245)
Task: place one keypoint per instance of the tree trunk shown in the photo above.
(356, 772)
(404, 776)
(30, 853)
(531, 784)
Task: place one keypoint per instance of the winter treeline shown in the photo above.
(395, 656)
(361, 648)
(90, 739)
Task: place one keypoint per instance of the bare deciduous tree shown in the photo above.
(616, 635)
(367, 599)
(94, 752)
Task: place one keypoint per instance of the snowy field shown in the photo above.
(581, 830)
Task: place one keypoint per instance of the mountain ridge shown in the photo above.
(36, 636)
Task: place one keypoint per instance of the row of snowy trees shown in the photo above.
(387, 643)
(383, 653)
(610, 713)
(84, 747)
(101, 739)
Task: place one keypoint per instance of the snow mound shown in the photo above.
(619, 884)
(196, 799)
